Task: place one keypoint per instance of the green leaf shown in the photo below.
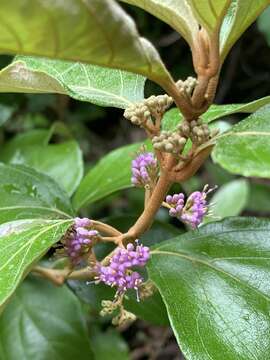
(44, 322)
(96, 32)
(215, 283)
(63, 162)
(23, 243)
(26, 193)
(98, 85)
(245, 148)
(173, 117)
(112, 173)
(209, 13)
(240, 16)
(178, 15)
(5, 113)
(263, 24)
(259, 200)
(230, 200)
(109, 345)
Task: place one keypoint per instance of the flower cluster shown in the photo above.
(144, 169)
(193, 211)
(80, 239)
(118, 273)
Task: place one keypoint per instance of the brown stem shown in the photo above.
(105, 229)
(147, 217)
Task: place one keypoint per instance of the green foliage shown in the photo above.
(215, 285)
(26, 193)
(112, 173)
(230, 200)
(109, 345)
(245, 148)
(98, 85)
(23, 243)
(263, 24)
(95, 26)
(31, 328)
(63, 162)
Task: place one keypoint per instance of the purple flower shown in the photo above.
(119, 272)
(144, 169)
(193, 211)
(80, 239)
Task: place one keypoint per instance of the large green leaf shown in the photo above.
(26, 193)
(96, 32)
(176, 13)
(215, 283)
(109, 345)
(22, 243)
(240, 16)
(44, 322)
(263, 24)
(245, 149)
(63, 162)
(98, 85)
(209, 13)
(173, 116)
(230, 200)
(112, 173)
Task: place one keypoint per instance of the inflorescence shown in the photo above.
(80, 240)
(144, 169)
(193, 211)
(119, 272)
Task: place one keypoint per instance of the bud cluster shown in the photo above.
(144, 169)
(155, 106)
(188, 85)
(193, 211)
(198, 132)
(124, 317)
(80, 240)
(168, 141)
(118, 273)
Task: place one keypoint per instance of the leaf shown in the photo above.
(245, 148)
(215, 283)
(259, 200)
(63, 162)
(44, 322)
(26, 193)
(109, 345)
(173, 117)
(230, 200)
(110, 174)
(151, 309)
(263, 24)
(178, 14)
(5, 113)
(96, 32)
(240, 16)
(23, 243)
(98, 85)
(209, 13)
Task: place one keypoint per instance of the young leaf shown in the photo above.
(173, 117)
(22, 243)
(208, 13)
(98, 85)
(96, 32)
(176, 13)
(63, 162)
(26, 193)
(44, 322)
(245, 148)
(240, 16)
(112, 173)
(215, 283)
(230, 200)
